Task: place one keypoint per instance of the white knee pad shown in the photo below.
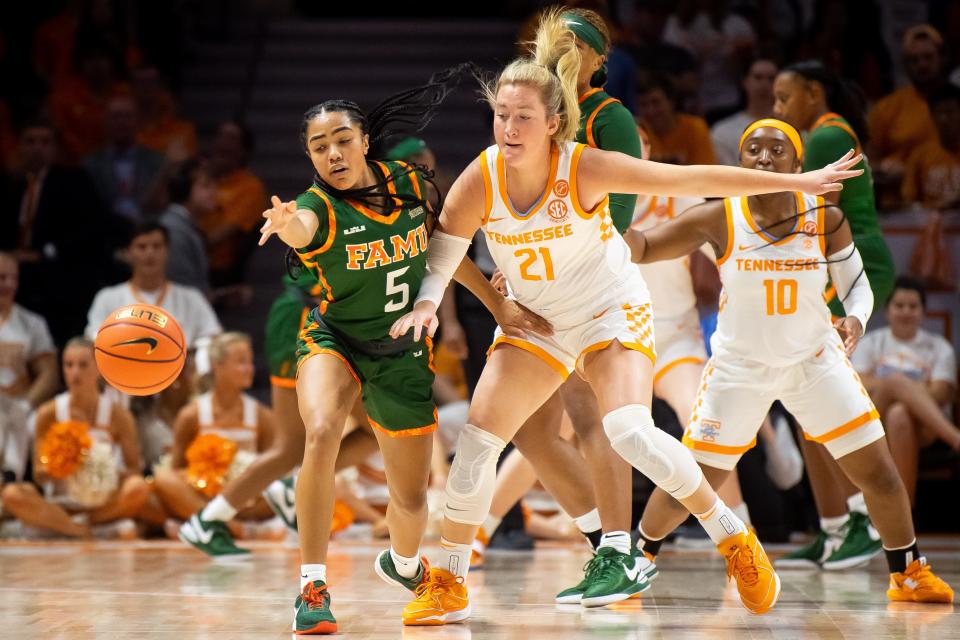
(656, 454)
(473, 475)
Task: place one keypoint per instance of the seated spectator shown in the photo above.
(227, 413)
(28, 369)
(651, 54)
(192, 194)
(159, 128)
(51, 219)
(230, 231)
(721, 41)
(78, 506)
(758, 89)
(900, 122)
(78, 103)
(126, 174)
(932, 175)
(911, 375)
(677, 138)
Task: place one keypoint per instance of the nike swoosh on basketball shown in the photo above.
(152, 342)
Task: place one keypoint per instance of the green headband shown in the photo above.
(582, 28)
(406, 148)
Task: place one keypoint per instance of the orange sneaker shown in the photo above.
(757, 582)
(441, 599)
(479, 548)
(919, 584)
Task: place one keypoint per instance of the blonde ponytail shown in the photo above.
(552, 68)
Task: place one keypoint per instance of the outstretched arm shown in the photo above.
(681, 236)
(600, 172)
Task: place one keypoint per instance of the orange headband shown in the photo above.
(792, 134)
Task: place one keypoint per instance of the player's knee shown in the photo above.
(136, 491)
(16, 496)
(322, 434)
(409, 500)
(656, 454)
(473, 475)
(897, 416)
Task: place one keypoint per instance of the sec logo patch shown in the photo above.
(561, 188)
(557, 210)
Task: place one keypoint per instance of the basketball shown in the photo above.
(140, 349)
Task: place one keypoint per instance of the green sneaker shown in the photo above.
(616, 576)
(573, 595)
(312, 609)
(812, 555)
(860, 543)
(387, 571)
(212, 537)
(281, 496)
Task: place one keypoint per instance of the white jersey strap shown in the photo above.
(249, 411)
(104, 410)
(62, 407)
(205, 409)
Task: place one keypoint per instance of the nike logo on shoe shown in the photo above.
(634, 573)
(195, 531)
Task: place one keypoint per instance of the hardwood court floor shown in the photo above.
(160, 590)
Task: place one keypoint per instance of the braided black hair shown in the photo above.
(843, 96)
(764, 232)
(401, 114)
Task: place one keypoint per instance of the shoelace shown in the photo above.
(742, 562)
(434, 587)
(316, 598)
(604, 567)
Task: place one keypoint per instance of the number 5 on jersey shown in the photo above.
(782, 298)
(394, 288)
(530, 258)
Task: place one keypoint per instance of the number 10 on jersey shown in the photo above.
(781, 297)
(530, 269)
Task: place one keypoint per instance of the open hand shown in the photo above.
(278, 216)
(423, 316)
(850, 331)
(831, 177)
(516, 320)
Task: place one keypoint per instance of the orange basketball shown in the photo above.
(140, 349)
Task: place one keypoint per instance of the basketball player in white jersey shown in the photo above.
(542, 202)
(774, 341)
(107, 422)
(225, 411)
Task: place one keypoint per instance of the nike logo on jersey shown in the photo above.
(150, 342)
(599, 315)
(353, 230)
(745, 247)
(494, 219)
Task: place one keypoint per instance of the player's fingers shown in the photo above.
(275, 201)
(396, 329)
(417, 329)
(432, 327)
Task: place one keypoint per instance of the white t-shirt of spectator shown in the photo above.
(719, 74)
(190, 308)
(23, 336)
(725, 135)
(926, 358)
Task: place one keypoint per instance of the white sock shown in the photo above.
(857, 503)
(218, 509)
(832, 526)
(406, 567)
(619, 540)
(455, 557)
(588, 522)
(311, 572)
(490, 524)
(720, 522)
(742, 512)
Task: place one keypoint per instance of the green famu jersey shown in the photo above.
(606, 124)
(369, 265)
(830, 138)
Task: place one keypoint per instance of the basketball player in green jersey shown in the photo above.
(829, 110)
(361, 231)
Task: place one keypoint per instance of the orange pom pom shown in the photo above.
(343, 517)
(208, 460)
(64, 447)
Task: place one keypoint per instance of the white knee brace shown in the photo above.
(473, 475)
(656, 454)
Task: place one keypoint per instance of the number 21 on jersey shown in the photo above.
(530, 269)
(781, 297)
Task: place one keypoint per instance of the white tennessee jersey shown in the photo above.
(772, 308)
(669, 281)
(556, 256)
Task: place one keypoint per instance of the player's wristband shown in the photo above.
(444, 256)
(850, 280)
